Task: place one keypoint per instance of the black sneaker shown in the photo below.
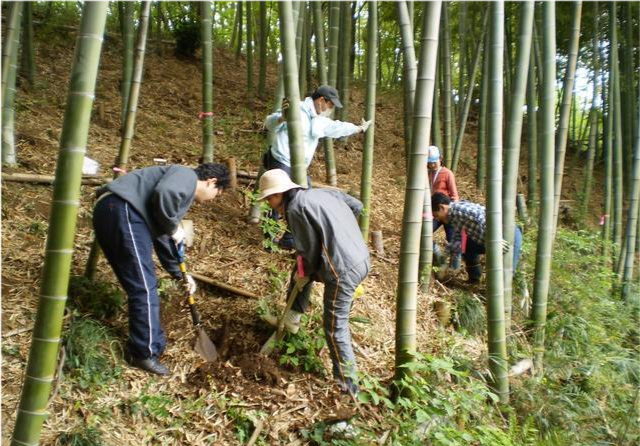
(151, 365)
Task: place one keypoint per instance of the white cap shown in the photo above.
(275, 181)
(434, 154)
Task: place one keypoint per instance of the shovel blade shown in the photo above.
(205, 347)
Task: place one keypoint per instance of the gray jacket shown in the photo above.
(161, 194)
(323, 223)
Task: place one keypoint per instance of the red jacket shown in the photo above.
(444, 182)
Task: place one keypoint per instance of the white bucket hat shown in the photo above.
(275, 181)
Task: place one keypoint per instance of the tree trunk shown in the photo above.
(304, 49)
(43, 354)
(462, 43)
(565, 109)
(250, 89)
(469, 96)
(618, 185)
(545, 218)
(446, 91)
(409, 72)
(369, 114)
(436, 128)
(498, 363)
(481, 163)
(290, 75)
(262, 77)
(240, 16)
(28, 52)
(345, 61)
(416, 190)
(632, 224)
(9, 74)
(159, 28)
(318, 27)
(532, 136)
(207, 82)
(512, 148)
(126, 25)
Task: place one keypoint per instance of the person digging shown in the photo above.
(316, 123)
(327, 237)
(470, 217)
(133, 215)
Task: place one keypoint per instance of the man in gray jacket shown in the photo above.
(327, 237)
(136, 213)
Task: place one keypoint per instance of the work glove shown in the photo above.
(189, 285)
(178, 235)
(364, 125)
(505, 246)
(283, 108)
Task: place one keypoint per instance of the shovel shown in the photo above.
(276, 337)
(203, 346)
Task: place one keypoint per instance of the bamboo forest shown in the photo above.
(320, 223)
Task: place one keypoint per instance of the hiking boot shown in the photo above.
(151, 365)
(291, 321)
(455, 262)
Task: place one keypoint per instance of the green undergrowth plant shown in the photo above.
(84, 436)
(101, 300)
(271, 228)
(92, 354)
(302, 349)
(588, 391)
(470, 313)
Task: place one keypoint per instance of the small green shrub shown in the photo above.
(81, 437)
(470, 313)
(91, 354)
(101, 300)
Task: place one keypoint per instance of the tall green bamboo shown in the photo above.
(159, 28)
(628, 66)
(618, 185)
(593, 118)
(303, 53)
(250, 88)
(632, 223)
(126, 26)
(409, 71)
(607, 102)
(240, 12)
(207, 82)
(565, 109)
(9, 74)
(532, 136)
(28, 52)
(545, 216)
(447, 111)
(136, 82)
(481, 163)
(369, 114)
(290, 76)
(463, 9)
(262, 76)
(8, 115)
(345, 62)
(41, 366)
(332, 74)
(416, 189)
(493, 236)
(436, 128)
(318, 29)
(464, 111)
(513, 138)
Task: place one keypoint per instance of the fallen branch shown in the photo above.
(49, 179)
(224, 286)
(17, 332)
(256, 433)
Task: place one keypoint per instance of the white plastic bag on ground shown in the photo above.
(90, 167)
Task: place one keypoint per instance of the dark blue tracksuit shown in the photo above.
(142, 208)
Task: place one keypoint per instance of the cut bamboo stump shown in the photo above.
(224, 286)
(233, 173)
(378, 242)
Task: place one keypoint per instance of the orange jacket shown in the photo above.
(444, 182)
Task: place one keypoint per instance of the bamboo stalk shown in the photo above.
(207, 81)
(224, 286)
(42, 360)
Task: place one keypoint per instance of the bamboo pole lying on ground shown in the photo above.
(92, 180)
(224, 286)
